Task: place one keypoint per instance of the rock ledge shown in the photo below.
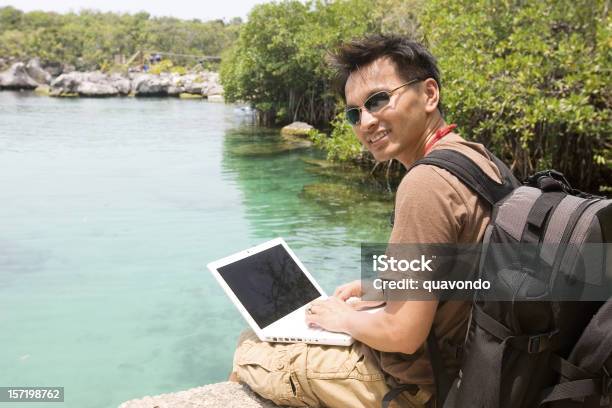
(224, 394)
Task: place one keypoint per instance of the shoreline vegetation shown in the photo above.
(530, 81)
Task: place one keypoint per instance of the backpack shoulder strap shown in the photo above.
(471, 174)
(441, 379)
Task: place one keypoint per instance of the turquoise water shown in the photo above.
(110, 210)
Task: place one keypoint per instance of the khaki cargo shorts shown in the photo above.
(301, 375)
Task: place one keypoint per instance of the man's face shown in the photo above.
(396, 130)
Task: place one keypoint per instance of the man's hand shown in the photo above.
(351, 289)
(330, 314)
(354, 289)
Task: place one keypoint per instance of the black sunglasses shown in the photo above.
(374, 103)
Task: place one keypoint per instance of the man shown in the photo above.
(392, 90)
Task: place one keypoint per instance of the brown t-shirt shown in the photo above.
(432, 206)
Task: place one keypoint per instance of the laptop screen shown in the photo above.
(269, 284)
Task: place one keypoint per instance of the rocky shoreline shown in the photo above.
(224, 394)
(32, 76)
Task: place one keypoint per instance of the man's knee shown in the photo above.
(269, 369)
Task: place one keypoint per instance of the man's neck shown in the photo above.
(418, 151)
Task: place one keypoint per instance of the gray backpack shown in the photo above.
(542, 345)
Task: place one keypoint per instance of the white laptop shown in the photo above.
(271, 288)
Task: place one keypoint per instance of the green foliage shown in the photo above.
(105, 66)
(529, 79)
(341, 145)
(398, 16)
(179, 70)
(90, 38)
(278, 63)
(167, 66)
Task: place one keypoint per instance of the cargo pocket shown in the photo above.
(265, 367)
(366, 370)
(327, 363)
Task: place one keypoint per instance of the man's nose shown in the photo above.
(368, 120)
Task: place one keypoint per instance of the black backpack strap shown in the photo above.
(441, 379)
(487, 391)
(535, 229)
(506, 174)
(579, 389)
(394, 392)
(471, 174)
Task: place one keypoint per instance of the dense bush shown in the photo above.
(531, 80)
(341, 145)
(278, 63)
(90, 39)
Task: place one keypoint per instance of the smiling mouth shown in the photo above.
(378, 137)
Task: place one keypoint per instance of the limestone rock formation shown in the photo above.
(296, 129)
(95, 84)
(36, 72)
(99, 84)
(151, 85)
(17, 77)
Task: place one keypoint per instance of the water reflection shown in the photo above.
(323, 211)
(291, 191)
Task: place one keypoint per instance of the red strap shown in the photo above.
(440, 133)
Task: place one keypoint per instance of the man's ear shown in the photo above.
(432, 95)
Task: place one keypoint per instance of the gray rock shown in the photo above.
(151, 85)
(225, 394)
(123, 85)
(195, 83)
(175, 90)
(94, 84)
(36, 71)
(195, 88)
(68, 68)
(65, 83)
(296, 129)
(176, 86)
(53, 68)
(16, 77)
(212, 88)
(87, 88)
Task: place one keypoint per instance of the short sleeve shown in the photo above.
(428, 208)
